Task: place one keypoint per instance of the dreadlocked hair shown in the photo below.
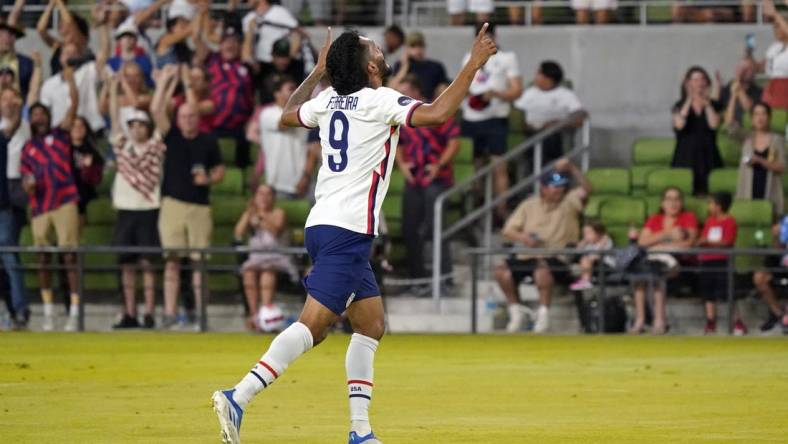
(345, 63)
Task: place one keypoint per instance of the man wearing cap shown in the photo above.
(547, 102)
(285, 64)
(126, 38)
(268, 22)
(431, 73)
(136, 194)
(550, 219)
(231, 88)
(18, 65)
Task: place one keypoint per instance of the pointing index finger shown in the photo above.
(483, 30)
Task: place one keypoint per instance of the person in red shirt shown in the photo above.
(672, 228)
(719, 231)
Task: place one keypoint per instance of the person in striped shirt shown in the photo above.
(48, 179)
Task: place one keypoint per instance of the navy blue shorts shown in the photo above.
(489, 136)
(341, 272)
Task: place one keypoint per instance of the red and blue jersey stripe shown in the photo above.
(48, 160)
(231, 91)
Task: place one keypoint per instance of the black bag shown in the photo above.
(615, 314)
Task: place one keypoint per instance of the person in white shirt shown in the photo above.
(485, 112)
(54, 91)
(480, 8)
(359, 122)
(547, 102)
(274, 22)
(776, 64)
(287, 158)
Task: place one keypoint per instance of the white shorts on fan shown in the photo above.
(596, 5)
(475, 6)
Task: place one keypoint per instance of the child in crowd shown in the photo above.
(719, 231)
(595, 238)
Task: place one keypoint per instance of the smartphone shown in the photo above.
(749, 43)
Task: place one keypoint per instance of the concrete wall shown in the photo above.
(628, 77)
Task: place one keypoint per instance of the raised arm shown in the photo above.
(16, 12)
(730, 108)
(712, 116)
(446, 105)
(35, 79)
(142, 16)
(114, 107)
(247, 51)
(71, 113)
(304, 91)
(43, 26)
(770, 11)
(158, 110)
(680, 115)
(564, 165)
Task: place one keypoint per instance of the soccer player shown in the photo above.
(359, 123)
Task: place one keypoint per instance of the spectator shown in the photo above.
(272, 22)
(763, 159)
(485, 111)
(73, 29)
(602, 11)
(126, 37)
(762, 279)
(776, 63)
(319, 10)
(265, 223)
(289, 163)
(193, 163)
(136, 195)
(286, 63)
(672, 228)
(457, 9)
(86, 75)
(393, 44)
(49, 182)
(135, 93)
(87, 165)
(549, 220)
(741, 92)
(547, 102)
(196, 92)
(173, 46)
(231, 89)
(683, 14)
(425, 158)
(10, 130)
(595, 238)
(719, 231)
(19, 65)
(431, 73)
(695, 121)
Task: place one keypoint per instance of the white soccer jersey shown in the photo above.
(358, 135)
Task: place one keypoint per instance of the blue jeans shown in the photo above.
(11, 261)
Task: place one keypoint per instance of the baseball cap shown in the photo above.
(232, 30)
(281, 48)
(415, 38)
(138, 116)
(126, 28)
(555, 179)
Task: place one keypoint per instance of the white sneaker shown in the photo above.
(49, 323)
(542, 320)
(72, 323)
(515, 318)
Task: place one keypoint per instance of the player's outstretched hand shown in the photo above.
(321, 59)
(483, 48)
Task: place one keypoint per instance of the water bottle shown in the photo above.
(760, 238)
(784, 230)
(632, 233)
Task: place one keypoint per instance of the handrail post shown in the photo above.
(643, 9)
(474, 291)
(529, 19)
(538, 165)
(389, 12)
(586, 141)
(80, 290)
(488, 218)
(731, 298)
(437, 245)
(601, 296)
(203, 299)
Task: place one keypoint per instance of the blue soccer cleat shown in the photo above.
(230, 415)
(368, 439)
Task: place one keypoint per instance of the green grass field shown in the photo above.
(140, 388)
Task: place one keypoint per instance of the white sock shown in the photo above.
(359, 365)
(285, 348)
(49, 309)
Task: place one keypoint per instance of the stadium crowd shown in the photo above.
(153, 111)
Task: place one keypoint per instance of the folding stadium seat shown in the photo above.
(516, 121)
(659, 180)
(297, 211)
(619, 213)
(639, 174)
(779, 121)
(100, 235)
(224, 281)
(606, 182)
(724, 179)
(653, 151)
(465, 154)
(392, 210)
(227, 210)
(754, 218)
(105, 186)
(233, 183)
(699, 206)
(227, 148)
(100, 212)
(397, 184)
(729, 148)
(659, 14)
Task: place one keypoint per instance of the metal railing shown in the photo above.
(202, 265)
(602, 273)
(486, 173)
(413, 13)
